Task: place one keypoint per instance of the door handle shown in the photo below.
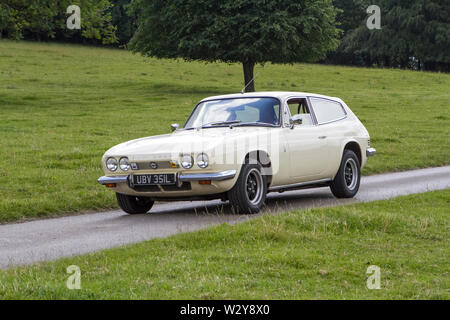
(322, 137)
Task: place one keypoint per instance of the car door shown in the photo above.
(333, 122)
(307, 144)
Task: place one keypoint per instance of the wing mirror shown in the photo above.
(295, 120)
(174, 126)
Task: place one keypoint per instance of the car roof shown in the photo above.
(273, 94)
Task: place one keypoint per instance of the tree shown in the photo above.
(124, 20)
(22, 16)
(46, 19)
(95, 20)
(352, 14)
(414, 33)
(245, 31)
(11, 21)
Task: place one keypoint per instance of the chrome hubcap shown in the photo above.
(351, 174)
(254, 186)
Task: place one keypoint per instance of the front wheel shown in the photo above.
(134, 205)
(346, 182)
(249, 192)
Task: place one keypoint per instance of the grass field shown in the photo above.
(62, 106)
(313, 254)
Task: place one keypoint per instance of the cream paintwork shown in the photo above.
(302, 155)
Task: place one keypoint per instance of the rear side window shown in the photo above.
(327, 110)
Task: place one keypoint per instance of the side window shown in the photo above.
(327, 110)
(299, 107)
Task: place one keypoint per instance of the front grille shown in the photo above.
(161, 165)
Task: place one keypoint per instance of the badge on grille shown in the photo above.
(154, 165)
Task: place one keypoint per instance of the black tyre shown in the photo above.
(346, 182)
(134, 205)
(249, 192)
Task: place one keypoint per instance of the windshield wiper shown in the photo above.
(220, 123)
(256, 124)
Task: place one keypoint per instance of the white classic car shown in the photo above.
(240, 147)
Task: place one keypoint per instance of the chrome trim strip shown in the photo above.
(217, 176)
(370, 152)
(118, 179)
(299, 185)
(328, 122)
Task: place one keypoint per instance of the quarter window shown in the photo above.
(327, 110)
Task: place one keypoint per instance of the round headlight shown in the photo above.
(124, 164)
(202, 160)
(187, 162)
(111, 164)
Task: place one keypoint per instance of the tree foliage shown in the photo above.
(414, 34)
(245, 31)
(46, 19)
(124, 19)
(352, 13)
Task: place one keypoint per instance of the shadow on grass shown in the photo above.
(170, 88)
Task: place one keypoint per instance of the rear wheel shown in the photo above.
(134, 205)
(347, 180)
(249, 192)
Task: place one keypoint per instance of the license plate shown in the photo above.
(153, 179)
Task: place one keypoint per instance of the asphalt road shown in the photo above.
(49, 239)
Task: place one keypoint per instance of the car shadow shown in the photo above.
(275, 203)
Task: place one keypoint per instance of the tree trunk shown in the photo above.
(248, 76)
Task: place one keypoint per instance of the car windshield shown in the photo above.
(236, 112)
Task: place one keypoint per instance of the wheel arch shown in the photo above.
(354, 146)
(338, 184)
(263, 157)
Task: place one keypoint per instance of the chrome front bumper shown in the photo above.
(216, 176)
(110, 180)
(370, 152)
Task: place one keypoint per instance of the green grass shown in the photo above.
(312, 254)
(62, 106)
